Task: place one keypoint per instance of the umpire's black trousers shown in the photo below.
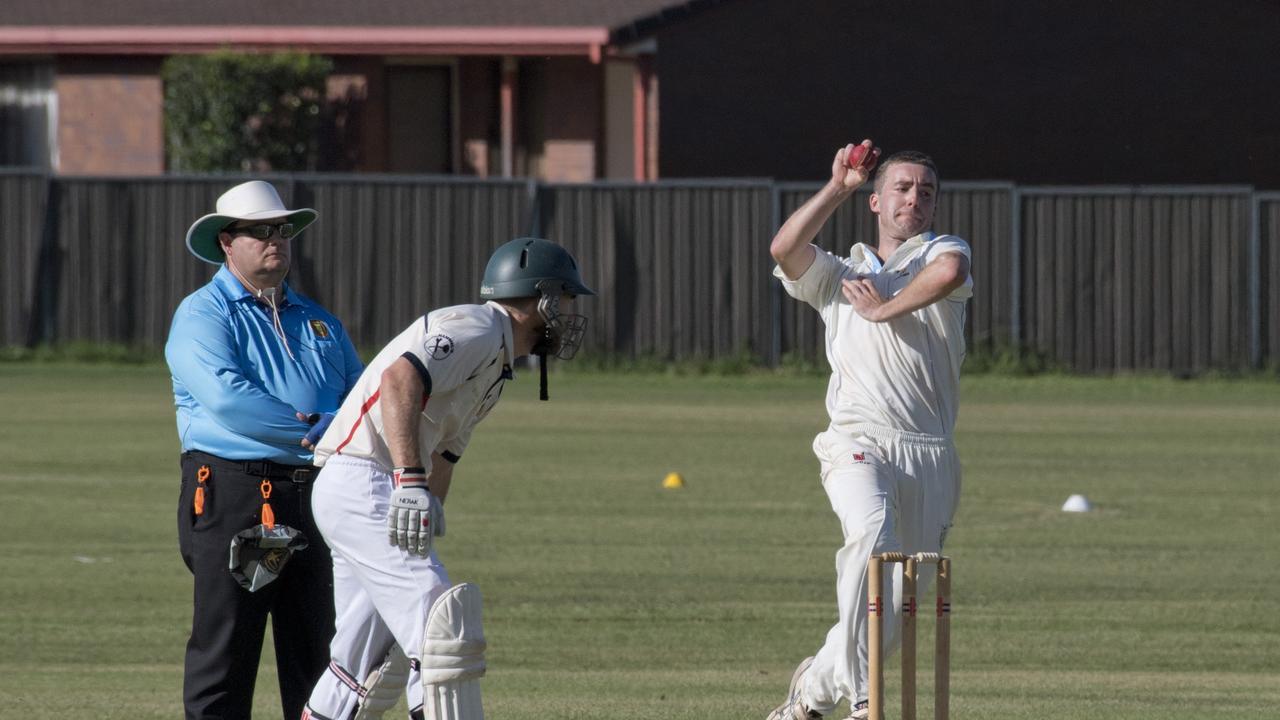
(228, 623)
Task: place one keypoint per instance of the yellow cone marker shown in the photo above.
(673, 481)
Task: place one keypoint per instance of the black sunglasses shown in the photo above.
(264, 231)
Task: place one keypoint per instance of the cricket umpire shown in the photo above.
(258, 371)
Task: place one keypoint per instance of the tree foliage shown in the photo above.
(233, 111)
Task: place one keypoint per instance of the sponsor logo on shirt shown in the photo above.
(320, 329)
(439, 347)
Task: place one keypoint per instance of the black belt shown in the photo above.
(258, 468)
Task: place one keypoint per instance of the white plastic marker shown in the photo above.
(1077, 503)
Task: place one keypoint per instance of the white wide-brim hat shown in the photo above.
(254, 200)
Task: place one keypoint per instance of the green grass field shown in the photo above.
(609, 597)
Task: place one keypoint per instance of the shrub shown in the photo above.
(243, 112)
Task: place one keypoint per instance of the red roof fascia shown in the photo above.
(162, 40)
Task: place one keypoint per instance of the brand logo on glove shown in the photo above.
(439, 347)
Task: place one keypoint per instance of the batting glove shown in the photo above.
(415, 516)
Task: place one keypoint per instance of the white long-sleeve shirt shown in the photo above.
(902, 374)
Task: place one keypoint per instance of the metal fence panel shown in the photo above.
(983, 216)
(1137, 278)
(382, 253)
(682, 267)
(583, 219)
(121, 261)
(388, 251)
(1101, 279)
(22, 221)
(1267, 324)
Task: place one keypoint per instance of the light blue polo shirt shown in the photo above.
(236, 388)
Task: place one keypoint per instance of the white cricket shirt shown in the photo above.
(902, 374)
(463, 354)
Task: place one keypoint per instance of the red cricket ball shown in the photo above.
(864, 157)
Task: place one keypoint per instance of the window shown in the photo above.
(28, 115)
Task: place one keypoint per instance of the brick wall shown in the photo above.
(110, 117)
(564, 125)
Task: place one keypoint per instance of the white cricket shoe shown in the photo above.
(792, 708)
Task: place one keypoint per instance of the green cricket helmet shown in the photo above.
(536, 268)
(531, 267)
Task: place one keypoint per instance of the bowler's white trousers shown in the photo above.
(893, 492)
(381, 593)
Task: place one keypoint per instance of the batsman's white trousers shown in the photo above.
(893, 492)
(381, 593)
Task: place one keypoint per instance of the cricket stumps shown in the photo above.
(875, 633)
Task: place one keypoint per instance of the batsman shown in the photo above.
(894, 317)
(387, 463)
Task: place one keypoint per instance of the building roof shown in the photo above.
(645, 25)
(330, 13)
(422, 27)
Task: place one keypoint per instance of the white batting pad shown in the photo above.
(453, 656)
(381, 690)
